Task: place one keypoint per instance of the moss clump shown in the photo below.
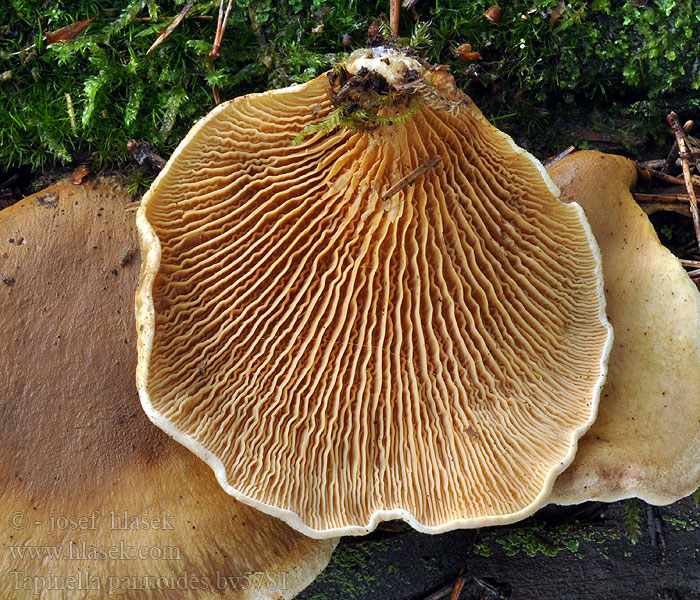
(84, 98)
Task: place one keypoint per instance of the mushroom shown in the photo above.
(97, 502)
(393, 318)
(646, 439)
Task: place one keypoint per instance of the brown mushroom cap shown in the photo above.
(646, 439)
(341, 353)
(96, 501)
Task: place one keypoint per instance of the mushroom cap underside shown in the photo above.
(400, 321)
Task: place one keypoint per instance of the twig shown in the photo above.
(411, 177)
(394, 17)
(488, 587)
(690, 263)
(665, 177)
(694, 274)
(459, 584)
(442, 592)
(9, 181)
(683, 153)
(214, 87)
(220, 27)
(555, 159)
(689, 249)
(673, 153)
(176, 21)
(640, 197)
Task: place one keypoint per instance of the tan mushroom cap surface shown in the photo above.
(340, 359)
(646, 439)
(96, 501)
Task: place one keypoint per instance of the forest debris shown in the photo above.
(464, 53)
(441, 593)
(411, 177)
(673, 153)
(659, 197)
(494, 13)
(144, 154)
(176, 21)
(557, 13)
(459, 584)
(394, 7)
(555, 159)
(68, 32)
(220, 27)
(684, 153)
(648, 173)
(656, 531)
(490, 588)
(78, 174)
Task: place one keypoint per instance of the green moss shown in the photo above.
(680, 524)
(84, 98)
(540, 538)
(531, 541)
(350, 571)
(358, 119)
(482, 547)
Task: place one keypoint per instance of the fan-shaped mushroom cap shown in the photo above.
(96, 501)
(646, 440)
(342, 348)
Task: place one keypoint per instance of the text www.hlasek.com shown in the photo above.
(83, 551)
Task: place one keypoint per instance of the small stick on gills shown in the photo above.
(411, 177)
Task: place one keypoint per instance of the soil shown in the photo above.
(577, 553)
